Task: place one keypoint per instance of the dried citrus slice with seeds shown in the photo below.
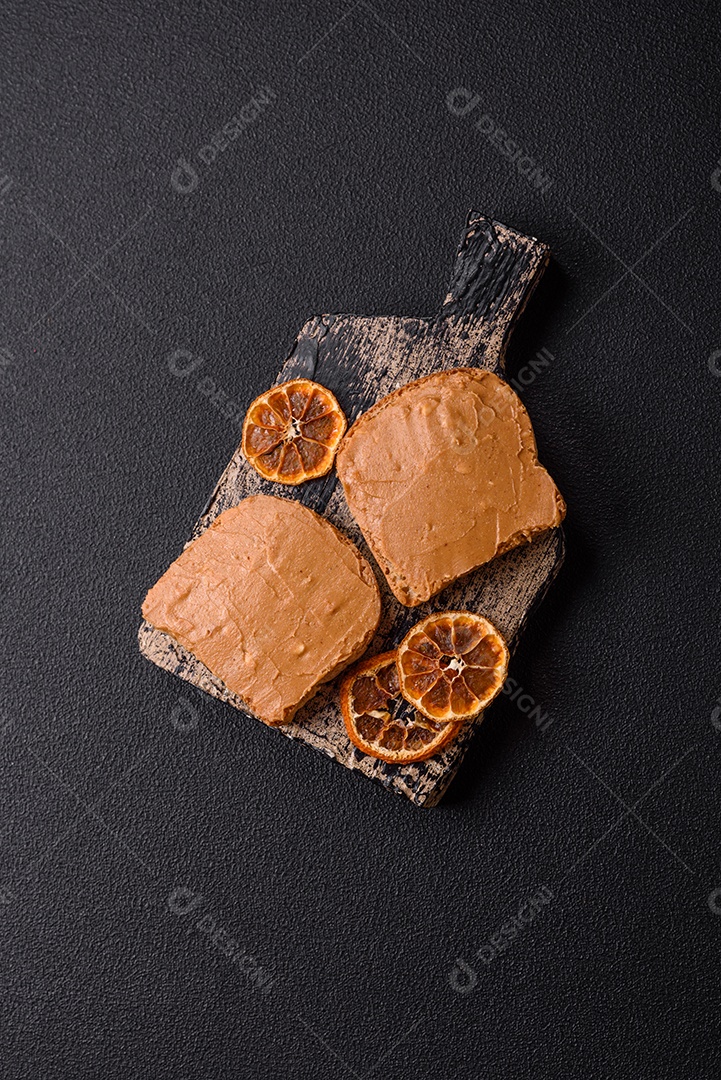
(451, 665)
(380, 723)
(291, 433)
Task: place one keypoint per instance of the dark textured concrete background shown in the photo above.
(156, 852)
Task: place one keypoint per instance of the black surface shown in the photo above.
(119, 785)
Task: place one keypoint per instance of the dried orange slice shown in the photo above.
(451, 665)
(380, 723)
(291, 433)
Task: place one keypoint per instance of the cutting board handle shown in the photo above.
(495, 272)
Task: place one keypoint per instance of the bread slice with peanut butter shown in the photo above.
(273, 600)
(442, 476)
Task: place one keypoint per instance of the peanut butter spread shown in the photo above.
(272, 599)
(442, 475)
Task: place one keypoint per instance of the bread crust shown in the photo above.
(366, 574)
(402, 588)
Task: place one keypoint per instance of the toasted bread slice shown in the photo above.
(273, 600)
(443, 475)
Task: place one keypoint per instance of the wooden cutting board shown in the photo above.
(361, 358)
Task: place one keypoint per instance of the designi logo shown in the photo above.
(185, 177)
